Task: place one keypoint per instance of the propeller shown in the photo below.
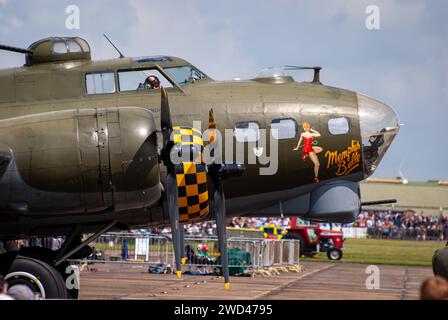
(171, 205)
(218, 172)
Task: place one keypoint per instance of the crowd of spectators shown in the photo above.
(380, 224)
(208, 228)
(403, 225)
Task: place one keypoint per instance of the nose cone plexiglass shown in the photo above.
(379, 126)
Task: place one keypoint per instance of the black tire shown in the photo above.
(48, 256)
(39, 276)
(72, 293)
(293, 236)
(334, 254)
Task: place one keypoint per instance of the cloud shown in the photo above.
(9, 24)
(178, 28)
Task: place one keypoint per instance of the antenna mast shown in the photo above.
(112, 44)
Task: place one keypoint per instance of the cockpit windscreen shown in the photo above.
(185, 74)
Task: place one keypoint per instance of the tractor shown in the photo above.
(316, 237)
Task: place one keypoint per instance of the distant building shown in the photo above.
(423, 197)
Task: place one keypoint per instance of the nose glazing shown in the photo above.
(379, 126)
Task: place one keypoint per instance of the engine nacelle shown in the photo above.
(336, 202)
(82, 160)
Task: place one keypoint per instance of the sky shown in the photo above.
(404, 63)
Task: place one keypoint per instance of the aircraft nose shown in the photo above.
(379, 126)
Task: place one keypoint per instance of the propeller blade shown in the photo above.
(182, 243)
(219, 204)
(173, 209)
(171, 204)
(211, 119)
(166, 123)
(211, 130)
(220, 214)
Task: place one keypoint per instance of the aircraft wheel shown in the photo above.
(44, 280)
(48, 256)
(334, 254)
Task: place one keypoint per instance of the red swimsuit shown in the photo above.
(307, 148)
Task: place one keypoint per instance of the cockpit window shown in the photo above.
(185, 74)
(131, 80)
(73, 46)
(59, 47)
(338, 126)
(70, 45)
(100, 82)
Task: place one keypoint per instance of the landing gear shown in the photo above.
(35, 268)
(46, 272)
(43, 279)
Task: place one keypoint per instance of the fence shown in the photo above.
(357, 233)
(202, 254)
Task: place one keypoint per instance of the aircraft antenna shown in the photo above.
(113, 45)
(316, 77)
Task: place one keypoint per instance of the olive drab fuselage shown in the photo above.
(74, 157)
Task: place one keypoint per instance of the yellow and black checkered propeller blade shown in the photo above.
(173, 209)
(211, 126)
(165, 117)
(219, 204)
(171, 196)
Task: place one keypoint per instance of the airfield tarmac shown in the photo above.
(318, 280)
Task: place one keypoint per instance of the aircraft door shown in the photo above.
(103, 152)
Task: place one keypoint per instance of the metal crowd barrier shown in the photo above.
(202, 254)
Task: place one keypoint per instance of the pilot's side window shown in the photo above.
(247, 131)
(147, 79)
(100, 82)
(338, 126)
(283, 128)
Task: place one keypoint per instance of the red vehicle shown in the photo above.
(316, 238)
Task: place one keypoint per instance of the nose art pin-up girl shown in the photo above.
(308, 149)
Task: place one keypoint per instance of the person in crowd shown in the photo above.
(4, 289)
(434, 288)
(440, 262)
(21, 292)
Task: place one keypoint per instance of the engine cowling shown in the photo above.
(80, 160)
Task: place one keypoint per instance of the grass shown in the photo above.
(392, 252)
(365, 251)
